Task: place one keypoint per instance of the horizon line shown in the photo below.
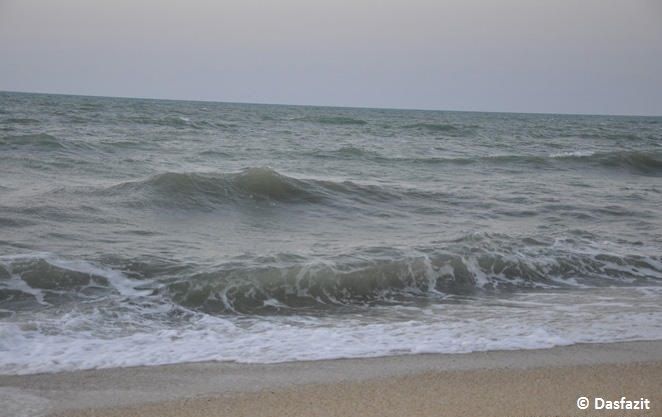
(325, 106)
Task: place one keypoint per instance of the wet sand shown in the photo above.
(544, 382)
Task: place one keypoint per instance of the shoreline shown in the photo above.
(415, 382)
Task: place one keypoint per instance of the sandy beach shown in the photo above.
(544, 382)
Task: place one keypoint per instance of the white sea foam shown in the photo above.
(571, 154)
(547, 320)
(117, 279)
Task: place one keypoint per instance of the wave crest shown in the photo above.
(407, 278)
(433, 127)
(334, 120)
(38, 140)
(261, 184)
(193, 190)
(368, 276)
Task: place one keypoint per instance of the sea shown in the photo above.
(143, 232)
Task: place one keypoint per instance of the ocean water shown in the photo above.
(138, 232)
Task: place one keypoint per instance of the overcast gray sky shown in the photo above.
(568, 56)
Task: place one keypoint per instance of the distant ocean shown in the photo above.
(139, 232)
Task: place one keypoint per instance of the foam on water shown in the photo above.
(455, 327)
(571, 153)
(116, 279)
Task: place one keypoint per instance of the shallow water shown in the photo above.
(147, 231)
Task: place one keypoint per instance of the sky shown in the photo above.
(562, 56)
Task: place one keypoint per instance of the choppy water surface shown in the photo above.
(143, 231)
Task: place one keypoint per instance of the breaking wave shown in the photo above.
(640, 162)
(635, 162)
(288, 282)
(455, 271)
(644, 163)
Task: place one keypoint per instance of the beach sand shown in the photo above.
(544, 382)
